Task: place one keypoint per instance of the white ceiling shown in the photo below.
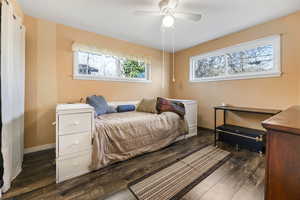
(115, 18)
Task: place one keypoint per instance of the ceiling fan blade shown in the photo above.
(144, 12)
(171, 4)
(188, 16)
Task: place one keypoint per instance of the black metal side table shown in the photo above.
(238, 131)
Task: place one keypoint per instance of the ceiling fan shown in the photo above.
(167, 10)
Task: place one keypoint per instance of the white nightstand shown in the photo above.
(74, 127)
(191, 110)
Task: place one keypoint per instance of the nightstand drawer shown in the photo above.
(74, 123)
(72, 167)
(74, 143)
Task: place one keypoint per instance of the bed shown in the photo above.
(120, 136)
(85, 143)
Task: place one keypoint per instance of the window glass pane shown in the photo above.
(82, 63)
(97, 65)
(111, 67)
(210, 67)
(94, 64)
(133, 69)
(254, 60)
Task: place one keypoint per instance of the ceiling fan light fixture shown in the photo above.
(168, 21)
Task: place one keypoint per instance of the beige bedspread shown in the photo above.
(120, 136)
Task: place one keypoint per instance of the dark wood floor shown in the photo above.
(242, 177)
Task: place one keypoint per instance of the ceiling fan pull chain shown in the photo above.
(163, 56)
(173, 39)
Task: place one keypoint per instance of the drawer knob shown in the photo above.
(76, 123)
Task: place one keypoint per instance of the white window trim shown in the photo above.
(274, 40)
(77, 76)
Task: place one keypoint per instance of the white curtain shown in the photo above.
(12, 93)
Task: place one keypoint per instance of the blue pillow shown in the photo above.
(125, 108)
(99, 103)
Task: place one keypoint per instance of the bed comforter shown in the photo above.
(120, 136)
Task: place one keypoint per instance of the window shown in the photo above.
(97, 66)
(255, 59)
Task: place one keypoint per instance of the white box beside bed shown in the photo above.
(191, 113)
(74, 128)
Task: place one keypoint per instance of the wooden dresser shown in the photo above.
(74, 126)
(283, 155)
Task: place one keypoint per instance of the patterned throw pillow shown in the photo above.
(165, 105)
(147, 105)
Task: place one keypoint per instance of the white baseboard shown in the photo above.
(39, 148)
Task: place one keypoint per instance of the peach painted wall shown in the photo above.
(49, 65)
(49, 75)
(279, 92)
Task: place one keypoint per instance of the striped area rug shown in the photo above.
(177, 179)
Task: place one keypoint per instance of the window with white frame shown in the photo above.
(98, 66)
(255, 59)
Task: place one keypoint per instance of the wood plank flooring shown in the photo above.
(242, 177)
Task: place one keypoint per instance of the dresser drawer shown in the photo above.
(74, 143)
(72, 167)
(74, 123)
